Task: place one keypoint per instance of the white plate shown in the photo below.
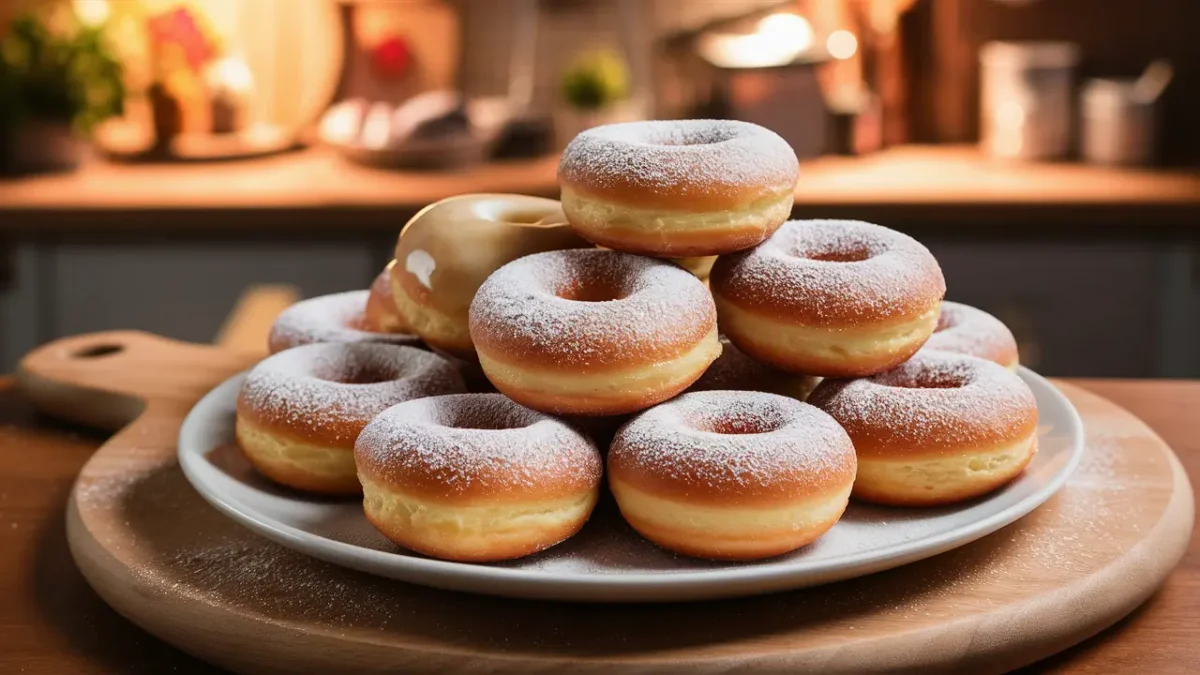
(607, 561)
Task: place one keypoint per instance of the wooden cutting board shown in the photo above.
(160, 556)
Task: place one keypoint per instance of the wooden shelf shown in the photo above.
(315, 190)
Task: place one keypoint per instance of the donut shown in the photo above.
(963, 329)
(735, 371)
(939, 429)
(381, 315)
(678, 189)
(475, 477)
(733, 475)
(593, 332)
(701, 266)
(833, 298)
(329, 318)
(299, 411)
(446, 251)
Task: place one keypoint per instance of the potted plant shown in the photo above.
(58, 79)
(594, 91)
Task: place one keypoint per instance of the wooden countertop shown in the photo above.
(53, 623)
(923, 185)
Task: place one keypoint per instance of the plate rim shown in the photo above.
(673, 585)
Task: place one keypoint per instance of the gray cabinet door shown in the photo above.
(1077, 308)
(186, 289)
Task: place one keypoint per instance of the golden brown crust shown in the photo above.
(326, 393)
(749, 546)
(937, 404)
(698, 244)
(832, 274)
(476, 449)
(944, 496)
(688, 166)
(381, 314)
(734, 448)
(590, 311)
(508, 549)
(296, 475)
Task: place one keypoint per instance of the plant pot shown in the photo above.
(569, 121)
(42, 147)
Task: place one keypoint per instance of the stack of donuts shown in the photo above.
(733, 376)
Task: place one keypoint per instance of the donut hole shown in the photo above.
(499, 211)
(740, 425)
(356, 376)
(592, 291)
(927, 381)
(483, 420)
(840, 255)
(680, 137)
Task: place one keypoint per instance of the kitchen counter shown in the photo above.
(918, 185)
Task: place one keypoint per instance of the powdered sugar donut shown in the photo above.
(381, 314)
(475, 477)
(329, 318)
(731, 475)
(938, 429)
(299, 411)
(963, 329)
(675, 189)
(593, 332)
(834, 298)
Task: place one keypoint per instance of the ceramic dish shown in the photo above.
(607, 561)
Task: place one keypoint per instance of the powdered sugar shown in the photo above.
(643, 308)
(938, 399)
(965, 330)
(735, 440)
(329, 318)
(687, 157)
(477, 443)
(834, 270)
(320, 388)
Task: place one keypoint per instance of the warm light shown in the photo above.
(787, 29)
(841, 44)
(779, 39)
(91, 12)
(231, 74)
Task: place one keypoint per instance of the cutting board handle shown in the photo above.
(107, 379)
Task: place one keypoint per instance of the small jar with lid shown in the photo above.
(1118, 125)
(1027, 92)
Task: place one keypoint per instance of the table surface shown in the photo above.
(951, 184)
(52, 623)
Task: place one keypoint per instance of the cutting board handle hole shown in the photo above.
(97, 351)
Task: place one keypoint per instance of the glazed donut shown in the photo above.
(834, 298)
(593, 332)
(941, 428)
(676, 189)
(734, 371)
(448, 249)
(731, 475)
(300, 410)
(329, 318)
(475, 477)
(963, 329)
(381, 315)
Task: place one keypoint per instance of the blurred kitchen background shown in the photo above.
(188, 167)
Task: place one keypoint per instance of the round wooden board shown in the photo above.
(159, 555)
